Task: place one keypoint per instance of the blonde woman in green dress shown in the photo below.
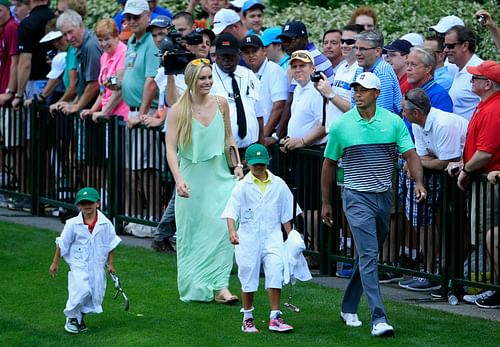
(195, 154)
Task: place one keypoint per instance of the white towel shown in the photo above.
(295, 265)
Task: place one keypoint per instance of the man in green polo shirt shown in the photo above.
(366, 138)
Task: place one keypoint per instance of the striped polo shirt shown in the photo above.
(390, 94)
(368, 148)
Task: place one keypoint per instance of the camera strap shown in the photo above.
(325, 101)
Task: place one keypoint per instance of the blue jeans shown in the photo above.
(166, 227)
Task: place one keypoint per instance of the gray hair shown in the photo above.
(69, 17)
(374, 36)
(417, 99)
(428, 57)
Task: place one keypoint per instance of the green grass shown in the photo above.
(31, 305)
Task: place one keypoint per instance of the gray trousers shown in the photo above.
(166, 227)
(368, 215)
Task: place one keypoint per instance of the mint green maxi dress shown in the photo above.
(204, 253)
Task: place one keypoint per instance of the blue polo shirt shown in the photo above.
(439, 97)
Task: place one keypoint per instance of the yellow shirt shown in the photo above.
(261, 184)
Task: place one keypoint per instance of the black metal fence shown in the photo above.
(45, 159)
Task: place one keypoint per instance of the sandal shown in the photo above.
(228, 299)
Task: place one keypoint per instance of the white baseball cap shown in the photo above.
(50, 36)
(414, 38)
(57, 66)
(237, 3)
(136, 7)
(368, 80)
(224, 18)
(446, 23)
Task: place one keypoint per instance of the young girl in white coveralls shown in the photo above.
(86, 244)
(262, 203)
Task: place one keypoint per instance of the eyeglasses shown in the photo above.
(410, 64)
(200, 61)
(451, 45)
(363, 49)
(134, 17)
(348, 42)
(407, 98)
(473, 78)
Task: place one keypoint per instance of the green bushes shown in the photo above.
(395, 17)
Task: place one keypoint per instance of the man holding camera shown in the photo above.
(306, 126)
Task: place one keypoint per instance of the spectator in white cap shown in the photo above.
(253, 16)
(414, 38)
(368, 161)
(228, 21)
(57, 65)
(445, 24)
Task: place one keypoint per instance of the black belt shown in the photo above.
(134, 109)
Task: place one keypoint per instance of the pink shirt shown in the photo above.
(110, 64)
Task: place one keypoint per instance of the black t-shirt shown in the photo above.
(31, 30)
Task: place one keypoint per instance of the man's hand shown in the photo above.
(493, 176)
(463, 180)
(327, 214)
(453, 168)
(324, 87)
(5, 98)
(420, 193)
(17, 103)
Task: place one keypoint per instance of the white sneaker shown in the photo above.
(471, 299)
(72, 326)
(350, 319)
(382, 330)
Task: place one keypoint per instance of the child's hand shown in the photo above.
(53, 269)
(233, 238)
(111, 268)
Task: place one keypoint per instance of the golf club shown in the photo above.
(116, 282)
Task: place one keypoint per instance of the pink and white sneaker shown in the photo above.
(249, 326)
(279, 325)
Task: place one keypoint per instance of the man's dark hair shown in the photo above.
(417, 99)
(439, 40)
(331, 31)
(186, 15)
(357, 28)
(464, 34)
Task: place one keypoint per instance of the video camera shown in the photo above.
(177, 57)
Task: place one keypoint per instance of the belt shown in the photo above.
(134, 109)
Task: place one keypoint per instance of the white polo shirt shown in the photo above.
(443, 135)
(306, 112)
(249, 86)
(464, 100)
(274, 86)
(341, 88)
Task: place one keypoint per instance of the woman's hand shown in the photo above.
(97, 115)
(238, 172)
(182, 189)
(85, 113)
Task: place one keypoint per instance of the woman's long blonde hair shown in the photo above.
(185, 114)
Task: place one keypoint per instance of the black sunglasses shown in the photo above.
(451, 45)
(348, 42)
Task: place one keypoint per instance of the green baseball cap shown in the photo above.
(6, 3)
(87, 194)
(257, 154)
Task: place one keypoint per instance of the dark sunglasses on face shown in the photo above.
(348, 42)
(451, 45)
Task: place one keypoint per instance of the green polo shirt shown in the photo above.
(368, 148)
(141, 61)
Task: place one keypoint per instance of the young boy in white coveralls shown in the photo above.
(86, 244)
(262, 203)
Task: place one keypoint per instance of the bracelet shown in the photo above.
(16, 96)
(239, 165)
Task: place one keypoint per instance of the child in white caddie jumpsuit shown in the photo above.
(86, 244)
(261, 202)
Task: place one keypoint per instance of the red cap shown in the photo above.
(489, 69)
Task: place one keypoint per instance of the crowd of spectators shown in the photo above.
(281, 88)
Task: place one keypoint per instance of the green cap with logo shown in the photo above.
(87, 194)
(6, 3)
(257, 154)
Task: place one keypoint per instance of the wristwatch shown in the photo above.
(239, 165)
(331, 97)
(275, 136)
(465, 171)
